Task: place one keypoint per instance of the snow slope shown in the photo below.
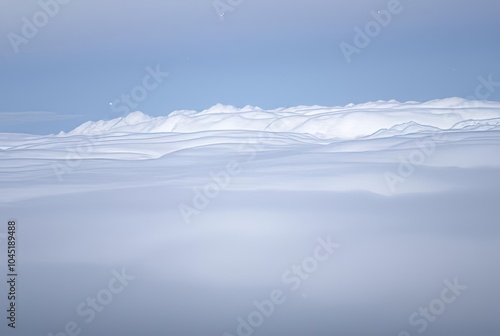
(349, 122)
(357, 147)
(209, 210)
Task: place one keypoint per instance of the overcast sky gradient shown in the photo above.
(264, 53)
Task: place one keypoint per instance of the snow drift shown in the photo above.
(349, 122)
(207, 210)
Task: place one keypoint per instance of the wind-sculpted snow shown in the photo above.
(349, 122)
(380, 147)
(209, 211)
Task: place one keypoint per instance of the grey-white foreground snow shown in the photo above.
(208, 212)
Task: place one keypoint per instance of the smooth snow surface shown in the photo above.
(209, 209)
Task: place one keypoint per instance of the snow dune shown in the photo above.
(408, 190)
(349, 122)
(306, 148)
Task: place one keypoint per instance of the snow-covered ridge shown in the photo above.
(347, 122)
(350, 148)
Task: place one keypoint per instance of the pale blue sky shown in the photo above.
(264, 53)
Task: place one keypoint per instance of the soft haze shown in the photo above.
(264, 53)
